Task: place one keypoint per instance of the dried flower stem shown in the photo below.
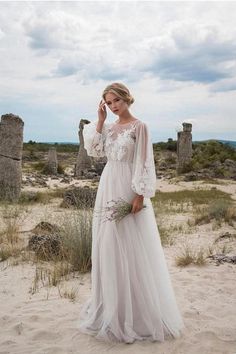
(115, 210)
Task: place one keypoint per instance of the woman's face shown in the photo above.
(116, 104)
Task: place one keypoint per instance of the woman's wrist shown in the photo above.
(99, 127)
(140, 196)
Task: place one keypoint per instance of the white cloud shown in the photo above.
(178, 58)
(2, 34)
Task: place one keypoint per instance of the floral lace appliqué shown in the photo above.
(143, 180)
(117, 143)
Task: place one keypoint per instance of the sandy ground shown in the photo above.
(45, 322)
(162, 184)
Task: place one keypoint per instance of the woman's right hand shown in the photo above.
(102, 112)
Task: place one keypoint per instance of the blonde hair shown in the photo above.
(119, 90)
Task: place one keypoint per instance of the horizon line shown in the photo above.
(77, 143)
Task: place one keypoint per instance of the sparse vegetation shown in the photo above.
(166, 235)
(207, 153)
(186, 200)
(214, 181)
(220, 210)
(170, 145)
(170, 159)
(38, 166)
(33, 146)
(30, 197)
(12, 217)
(42, 167)
(189, 256)
(76, 243)
(68, 294)
(7, 250)
(76, 234)
(49, 274)
(79, 197)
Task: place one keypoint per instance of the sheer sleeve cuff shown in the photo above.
(93, 140)
(143, 171)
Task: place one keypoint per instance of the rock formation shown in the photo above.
(11, 144)
(184, 146)
(52, 163)
(83, 162)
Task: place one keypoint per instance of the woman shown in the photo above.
(132, 295)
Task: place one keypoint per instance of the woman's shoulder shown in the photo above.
(141, 124)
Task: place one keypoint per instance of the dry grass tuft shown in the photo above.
(75, 232)
(12, 217)
(189, 256)
(50, 274)
(76, 236)
(70, 294)
(30, 197)
(9, 250)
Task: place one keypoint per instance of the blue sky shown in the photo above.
(177, 58)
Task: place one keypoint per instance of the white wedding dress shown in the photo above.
(132, 295)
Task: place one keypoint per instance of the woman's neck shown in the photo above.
(125, 117)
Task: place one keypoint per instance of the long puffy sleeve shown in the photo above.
(143, 170)
(93, 140)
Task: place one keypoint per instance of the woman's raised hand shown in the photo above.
(102, 112)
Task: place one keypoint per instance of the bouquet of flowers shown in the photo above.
(115, 210)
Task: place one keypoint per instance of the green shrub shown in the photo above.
(60, 169)
(39, 166)
(222, 209)
(210, 151)
(170, 160)
(207, 152)
(42, 167)
(170, 145)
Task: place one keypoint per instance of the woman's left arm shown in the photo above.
(143, 170)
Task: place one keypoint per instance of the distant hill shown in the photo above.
(34, 146)
(228, 142)
(231, 143)
(58, 143)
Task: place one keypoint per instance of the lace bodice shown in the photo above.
(119, 142)
(129, 142)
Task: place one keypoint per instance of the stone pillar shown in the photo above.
(11, 145)
(184, 146)
(52, 163)
(83, 162)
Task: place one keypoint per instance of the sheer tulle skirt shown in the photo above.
(132, 295)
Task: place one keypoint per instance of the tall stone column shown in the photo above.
(184, 146)
(83, 162)
(11, 146)
(52, 163)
